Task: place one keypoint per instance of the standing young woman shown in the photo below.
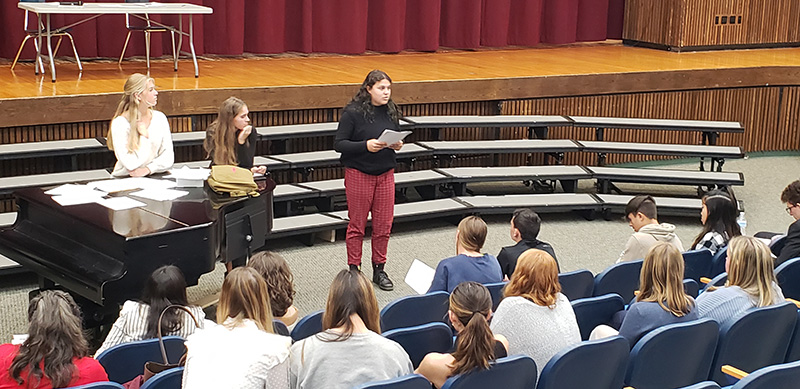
(139, 319)
(719, 222)
(230, 139)
(369, 170)
(469, 264)
(661, 298)
(470, 311)
(242, 351)
(139, 135)
(55, 335)
(534, 315)
(350, 350)
(751, 282)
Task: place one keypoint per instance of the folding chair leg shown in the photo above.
(74, 51)
(174, 53)
(21, 45)
(38, 59)
(58, 45)
(147, 48)
(124, 47)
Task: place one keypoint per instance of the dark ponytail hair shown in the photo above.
(166, 286)
(362, 101)
(472, 304)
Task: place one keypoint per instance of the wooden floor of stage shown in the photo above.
(103, 76)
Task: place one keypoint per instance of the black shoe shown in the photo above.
(355, 268)
(381, 278)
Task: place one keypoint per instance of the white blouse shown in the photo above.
(154, 152)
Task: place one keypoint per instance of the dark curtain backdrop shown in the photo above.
(343, 26)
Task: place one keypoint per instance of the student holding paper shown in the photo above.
(369, 170)
(230, 139)
(140, 135)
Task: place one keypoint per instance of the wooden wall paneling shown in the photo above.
(788, 123)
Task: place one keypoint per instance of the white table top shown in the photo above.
(116, 8)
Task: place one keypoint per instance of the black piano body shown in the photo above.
(105, 256)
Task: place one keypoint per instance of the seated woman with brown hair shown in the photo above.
(350, 350)
(661, 299)
(276, 273)
(534, 315)
(54, 334)
(242, 351)
(470, 311)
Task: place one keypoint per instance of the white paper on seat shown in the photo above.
(120, 203)
(420, 276)
(392, 137)
(160, 194)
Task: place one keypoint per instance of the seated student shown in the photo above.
(230, 139)
(139, 319)
(718, 216)
(468, 264)
(751, 282)
(642, 217)
(470, 311)
(534, 315)
(525, 225)
(54, 334)
(661, 298)
(242, 352)
(791, 197)
(279, 279)
(139, 135)
(350, 350)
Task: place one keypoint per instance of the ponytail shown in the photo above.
(474, 346)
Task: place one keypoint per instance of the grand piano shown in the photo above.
(103, 257)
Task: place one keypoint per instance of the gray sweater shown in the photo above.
(362, 358)
(645, 316)
(536, 331)
(724, 304)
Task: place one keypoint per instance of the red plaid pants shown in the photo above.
(367, 193)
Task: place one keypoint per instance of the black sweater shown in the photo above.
(351, 140)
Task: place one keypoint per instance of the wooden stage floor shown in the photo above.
(296, 82)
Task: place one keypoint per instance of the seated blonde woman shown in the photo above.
(470, 311)
(661, 298)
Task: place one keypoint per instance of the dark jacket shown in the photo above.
(508, 255)
(792, 247)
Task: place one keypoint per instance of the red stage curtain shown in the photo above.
(342, 26)
(461, 24)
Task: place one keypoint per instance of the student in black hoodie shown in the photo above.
(525, 225)
(369, 170)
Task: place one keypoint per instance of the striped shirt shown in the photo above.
(132, 324)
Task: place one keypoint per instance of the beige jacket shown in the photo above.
(648, 235)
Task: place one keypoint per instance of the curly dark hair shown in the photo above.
(362, 101)
(276, 273)
(791, 194)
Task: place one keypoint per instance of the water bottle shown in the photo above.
(742, 223)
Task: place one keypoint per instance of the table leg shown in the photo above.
(191, 45)
(38, 63)
(50, 50)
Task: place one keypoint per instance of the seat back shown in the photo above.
(691, 287)
(717, 281)
(168, 379)
(307, 326)
(280, 328)
(703, 385)
(593, 311)
(99, 385)
(420, 340)
(411, 381)
(776, 246)
(125, 361)
(514, 372)
(788, 275)
(718, 262)
(621, 278)
(793, 353)
(601, 364)
(757, 338)
(674, 355)
(697, 263)
(576, 284)
(783, 376)
(426, 308)
(496, 290)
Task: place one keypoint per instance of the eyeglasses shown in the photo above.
(789, 208)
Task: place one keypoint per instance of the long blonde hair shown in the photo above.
(751, 267)
(245, 296)
(135, 84)
(661, 280)
(535, 278)
(221, 135)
